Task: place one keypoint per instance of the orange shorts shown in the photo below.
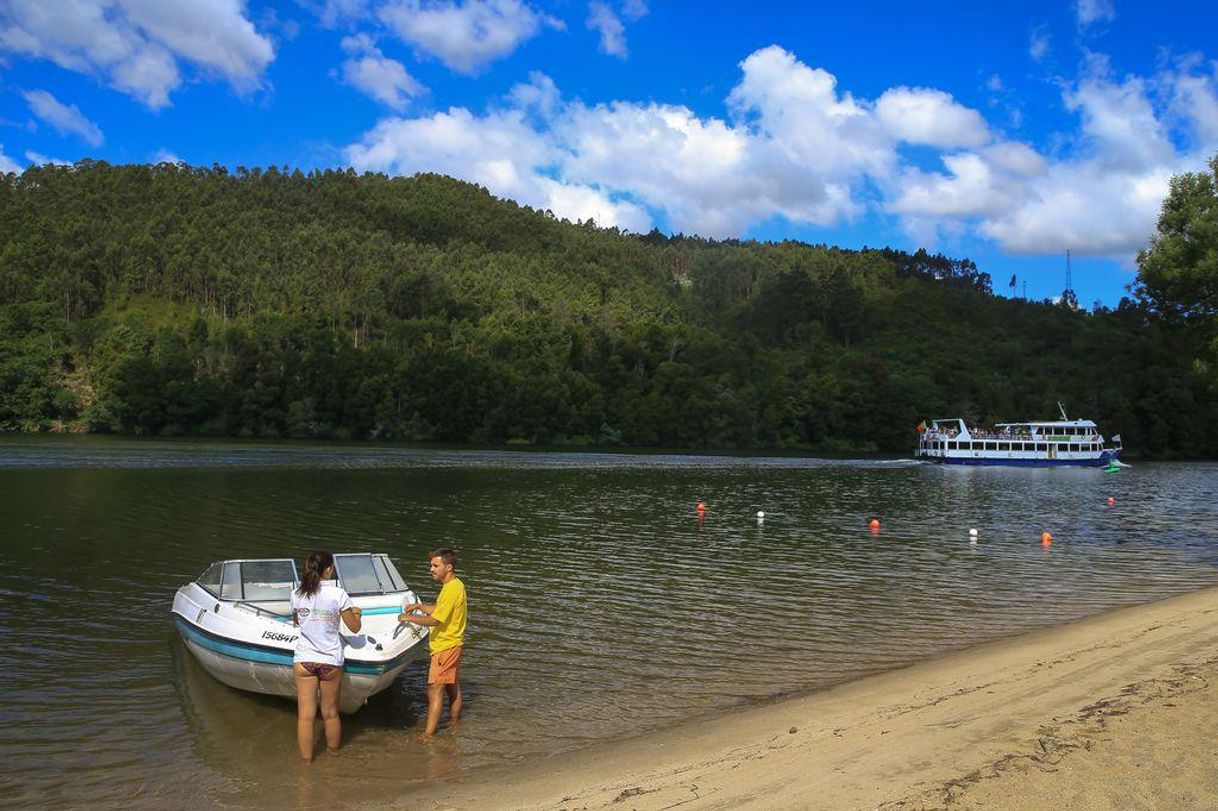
(445, 666)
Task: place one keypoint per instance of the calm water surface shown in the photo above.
(600, 605)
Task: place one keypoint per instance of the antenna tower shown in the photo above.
(1068, 285)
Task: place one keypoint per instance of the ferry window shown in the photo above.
(210, 579)
(1004, 446)
(953, 445)
(1074, 447)
(230, 589)
(1042, 446)
(991, 446)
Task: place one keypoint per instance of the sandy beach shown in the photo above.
(1114, 711)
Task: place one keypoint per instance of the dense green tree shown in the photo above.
(1178, 271)
(272, 303)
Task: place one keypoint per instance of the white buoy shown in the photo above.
(972, 533)
(760, 516)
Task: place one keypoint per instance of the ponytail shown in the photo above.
(314, 568)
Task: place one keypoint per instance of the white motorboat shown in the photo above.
(236, 619)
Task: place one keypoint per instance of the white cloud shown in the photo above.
(65, 118)
(797, 111)
(539, 95)
(499, 151)
(38, 159)
(370, 71)
(796, 152)
(165, 156)
(699, 171)
(136, 45)
(1194, 100)
(335, 12)
(1038, 44)
(7, 164)
(634, 9)
(971, 187)
(1120, 123)
(799, 147)
(1103, 198)
(1082, 207)
(1092, 11)
(465, 36)
(613, 34)
(926, 116)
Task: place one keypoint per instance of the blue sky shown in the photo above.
(1004, 132)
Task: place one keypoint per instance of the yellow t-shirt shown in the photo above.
(450, 613)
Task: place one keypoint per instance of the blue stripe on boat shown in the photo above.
(249, 652)
(385, 609)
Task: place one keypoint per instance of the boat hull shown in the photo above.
(1105, 458)
(255, 653)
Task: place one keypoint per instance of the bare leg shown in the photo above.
(306, 710)
(435, 706)
(454, 701)
(331, 688)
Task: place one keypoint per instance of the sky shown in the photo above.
(1007, 133)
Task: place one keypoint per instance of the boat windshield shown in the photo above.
(365, 573)
(251, 581)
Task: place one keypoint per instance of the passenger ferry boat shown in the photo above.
(1063, 442)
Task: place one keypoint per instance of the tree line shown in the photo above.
(173, 300)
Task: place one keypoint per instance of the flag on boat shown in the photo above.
(1012, 280)
(921, 426)
(1116, 438)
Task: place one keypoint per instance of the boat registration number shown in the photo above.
(278, 637)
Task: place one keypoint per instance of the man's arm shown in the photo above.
(407, 614)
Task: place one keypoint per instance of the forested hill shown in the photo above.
(169, 300)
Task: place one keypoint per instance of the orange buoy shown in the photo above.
(701, 507)
(1111, 501)
(875, 523)
(1046, 538)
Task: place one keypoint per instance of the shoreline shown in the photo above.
(1064, 712)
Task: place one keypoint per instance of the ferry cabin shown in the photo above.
(1060, 442)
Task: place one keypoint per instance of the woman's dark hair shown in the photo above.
(315, 566)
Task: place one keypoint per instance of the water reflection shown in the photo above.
(589, 576)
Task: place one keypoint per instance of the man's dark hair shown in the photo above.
(445, 554)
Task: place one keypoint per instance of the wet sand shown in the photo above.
(1115, 711)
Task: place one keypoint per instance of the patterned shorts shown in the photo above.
(318, 669)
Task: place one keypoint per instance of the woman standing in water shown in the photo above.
(318, 665)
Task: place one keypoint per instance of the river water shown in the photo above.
(601, 605)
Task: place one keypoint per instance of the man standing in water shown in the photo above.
(446, 619)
